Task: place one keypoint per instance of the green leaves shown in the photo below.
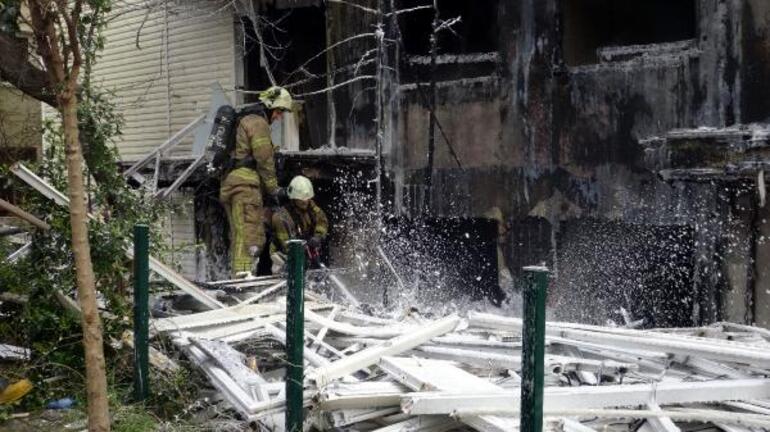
(50, 267)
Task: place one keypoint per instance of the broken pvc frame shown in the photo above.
(29, 177)
(486, 402)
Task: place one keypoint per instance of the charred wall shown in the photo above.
(601, 113)
(548, 136)
(354, 103)
(755, 99)
(545, 117)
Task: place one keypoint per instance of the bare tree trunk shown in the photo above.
(96, 380)
(61, 54)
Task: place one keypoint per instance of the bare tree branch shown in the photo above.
(330, 47)
(357, 6)
(414, 9)
(338, 85)
(342, 69)
(141, 27)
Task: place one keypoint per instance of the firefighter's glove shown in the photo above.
(315, 244)
(254, 252)
(279, 263)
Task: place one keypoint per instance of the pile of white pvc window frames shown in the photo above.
(417, 373)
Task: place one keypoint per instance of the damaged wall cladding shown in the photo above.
(552, 131)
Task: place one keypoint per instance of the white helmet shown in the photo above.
(300, 188)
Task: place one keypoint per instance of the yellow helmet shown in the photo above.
(300, 188)
(276, 98)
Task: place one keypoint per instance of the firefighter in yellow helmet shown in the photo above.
(302, 219)
(252, 174)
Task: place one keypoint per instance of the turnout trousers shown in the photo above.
(241, 197)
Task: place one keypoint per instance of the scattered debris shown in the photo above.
(61, 404)
(19, 253)
(375, 373)
(14, 298)
(10, 393)
(21, 214)
(158, 267)
(158, 360)
(11, 352)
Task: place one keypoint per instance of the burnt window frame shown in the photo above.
(451, 64)
(611, 51)
(416, 27)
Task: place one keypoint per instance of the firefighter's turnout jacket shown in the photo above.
(291, 222)
(242, 188)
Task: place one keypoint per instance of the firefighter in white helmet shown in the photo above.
(302, 219)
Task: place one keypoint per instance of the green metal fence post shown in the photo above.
(533, 349)
(141, 311)
(295, 335)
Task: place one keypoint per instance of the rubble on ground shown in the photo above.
(369, 372)
(430, 373)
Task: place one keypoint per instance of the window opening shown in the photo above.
(590, 25)
(468, 50)
(476, 32)
(301, 34)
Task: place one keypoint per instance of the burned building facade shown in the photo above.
(567, 134)
(590, 124)
(560, 114)
(621, 141)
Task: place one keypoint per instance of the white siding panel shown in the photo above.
(136, 75)
(180, 229)
(164, 84)
(201, 50)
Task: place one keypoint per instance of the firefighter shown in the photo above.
(302, 219)
(251, 175)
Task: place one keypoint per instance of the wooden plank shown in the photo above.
(421, 424)
(158, 267)
(215, 317)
